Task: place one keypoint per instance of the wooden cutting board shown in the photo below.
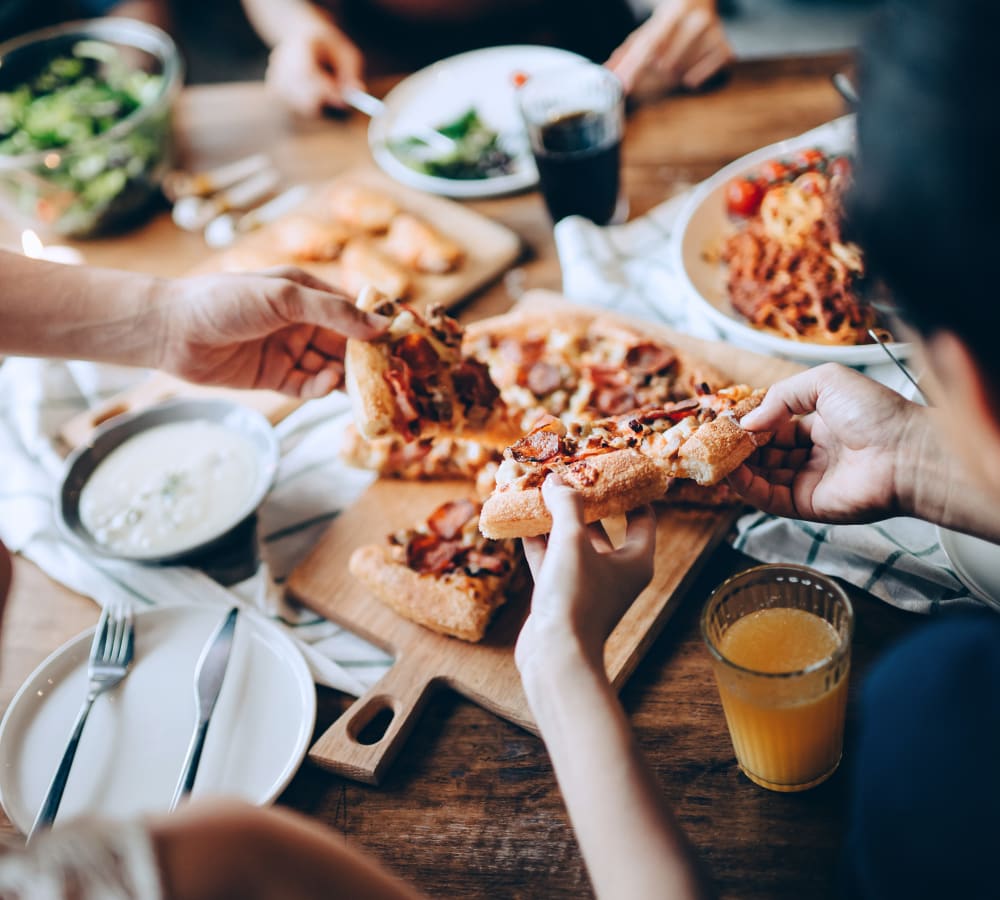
(485, 673)
(490, 248)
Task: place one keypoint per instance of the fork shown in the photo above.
(110, 657)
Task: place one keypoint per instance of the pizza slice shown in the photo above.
(416, 383)
(581, 365)
(622, 462)
(442, 574)
(442, 458)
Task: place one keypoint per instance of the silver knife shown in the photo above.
(208, 677)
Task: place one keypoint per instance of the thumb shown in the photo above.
(308, 300)
(795, 396)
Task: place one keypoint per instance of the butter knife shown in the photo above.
(208, 678)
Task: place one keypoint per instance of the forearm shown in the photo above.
(47, 309)
(933, 484)
(274, 20)
(631, 844)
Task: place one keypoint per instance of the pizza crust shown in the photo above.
(455, 604)
(609, 483)
(372, 403)
(714, 451)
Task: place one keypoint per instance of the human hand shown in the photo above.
(844, 448)
(682, 44)
(279, 330)
(312, 67)
(582, 584)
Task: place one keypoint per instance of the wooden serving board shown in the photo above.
(485, 673)
(490, 248)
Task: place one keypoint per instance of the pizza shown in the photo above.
(582, 365)
(443, 458)
(415, 382)
(442, 574)
(621, 462)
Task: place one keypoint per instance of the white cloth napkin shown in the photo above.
(312, 486)
(628, 268)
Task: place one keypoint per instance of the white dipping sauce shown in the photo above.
(170, 488)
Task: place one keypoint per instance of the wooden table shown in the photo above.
(471, 809)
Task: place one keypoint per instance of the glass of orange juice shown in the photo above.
(780, 639)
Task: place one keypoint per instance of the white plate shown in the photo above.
(133, 746)
(445, 90)
(703, 222)
(976, 563)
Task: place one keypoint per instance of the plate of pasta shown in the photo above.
(760, 244)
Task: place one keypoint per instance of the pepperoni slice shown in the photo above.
(676, 412)
(614, 401)
(648, 359)
(418, 353)
(448, 519)
(521, 353)
(473, 384)
(542, 378)
(539, 446)
(430, 555)
(478, 562)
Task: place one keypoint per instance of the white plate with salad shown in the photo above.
(470, 98)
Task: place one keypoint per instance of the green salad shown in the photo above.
(91, 179)
(478, 153)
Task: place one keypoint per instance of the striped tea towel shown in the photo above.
(312, 486)
(628, 268)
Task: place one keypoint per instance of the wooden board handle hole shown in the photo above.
(371, 723)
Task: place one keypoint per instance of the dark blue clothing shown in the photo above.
(925, 818)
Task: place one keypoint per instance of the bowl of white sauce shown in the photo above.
(169, 482)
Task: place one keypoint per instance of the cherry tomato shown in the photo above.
(519, 79)
(812, 184)
(840, 166)
(743, 196)
(775, 170)
(807, 159)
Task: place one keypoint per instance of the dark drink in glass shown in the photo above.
(575, 122)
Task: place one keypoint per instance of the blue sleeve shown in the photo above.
(925, 789)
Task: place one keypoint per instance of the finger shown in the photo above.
(715, 58)
(599, 538)
(329, 343)
(640, 536)
(759, 492)
(292, 382)
(795, 396)
(686, 44)
(566, 508)
(321, 383)
(312, 362)
(306, 279)
(636, 58)
(534, 553)
(296, 303)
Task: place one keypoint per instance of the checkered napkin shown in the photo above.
(628, 268)
(312, 486)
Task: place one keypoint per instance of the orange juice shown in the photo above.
(784, 707)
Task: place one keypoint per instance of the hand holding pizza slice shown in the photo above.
(622, 462)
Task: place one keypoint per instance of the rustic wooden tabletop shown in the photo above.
(471, 808)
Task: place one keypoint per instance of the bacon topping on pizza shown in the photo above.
(450, 542)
